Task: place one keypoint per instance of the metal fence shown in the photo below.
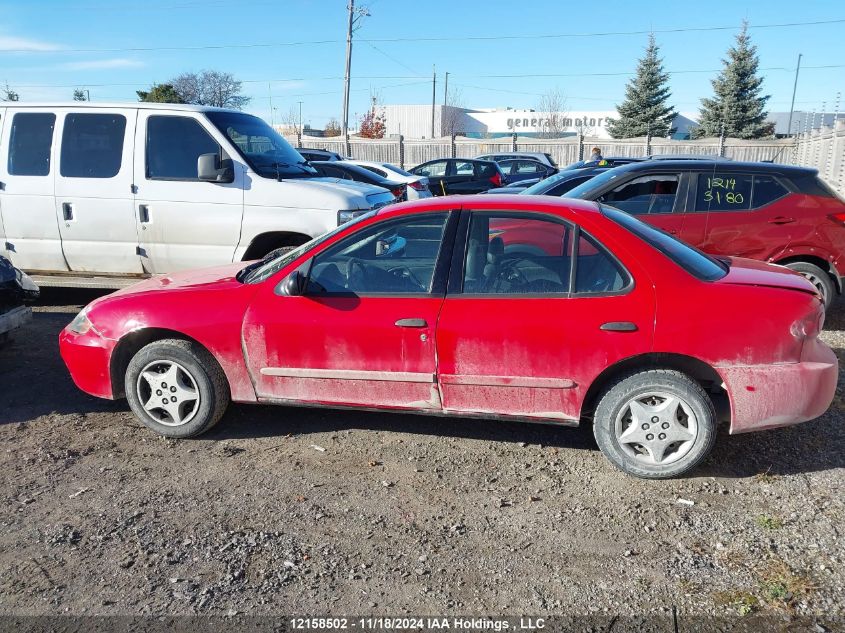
(823, 149)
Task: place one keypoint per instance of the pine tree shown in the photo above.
(736, 100)
(646, 106)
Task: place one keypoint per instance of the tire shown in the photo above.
(818, 277)
(689, 434)
(193, 400)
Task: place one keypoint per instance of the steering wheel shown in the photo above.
(356, 274)
(406, 274)
(509, 273)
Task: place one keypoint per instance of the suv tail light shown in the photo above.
(838, 218)
(398, 192)
(417, 184)
(496, 179)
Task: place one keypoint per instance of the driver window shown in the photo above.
(394, 257)
(511, 253)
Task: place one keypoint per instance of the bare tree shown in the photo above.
(7, 94)
(211, 88)
(333, 127)
(453, 114)
(583, 128)
(552, 112)
(290, 120)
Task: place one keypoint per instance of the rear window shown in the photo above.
(690, 259)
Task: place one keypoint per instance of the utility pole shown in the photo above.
(270, 96)
(354, 16)
(794, 88)
(433, 96)
(300, 118)
(446, 89)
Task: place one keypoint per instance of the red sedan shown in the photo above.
(465, 307)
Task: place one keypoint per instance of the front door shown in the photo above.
(655, 198)
(27, 190)
(363, 333)
(520, 332)
(183, 222)
(94, 199)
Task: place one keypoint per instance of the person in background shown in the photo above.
(595, 155)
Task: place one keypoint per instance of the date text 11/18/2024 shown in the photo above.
(409, 623)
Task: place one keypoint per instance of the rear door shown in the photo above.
(435, 171)
(462, 178)
(94, 199)
(657, 198)
(27, 189)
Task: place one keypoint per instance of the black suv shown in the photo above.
(460, 175)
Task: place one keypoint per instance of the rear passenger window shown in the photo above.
(92, 145)
(723, 192)
(595, 270)
(173, 145)
(766, 189)
(31, 143)
(463, 169)
(654, 193)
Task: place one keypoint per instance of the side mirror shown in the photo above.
(211, 169)
(293, 285)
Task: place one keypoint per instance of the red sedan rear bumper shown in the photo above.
(769, 396)
(87, 358)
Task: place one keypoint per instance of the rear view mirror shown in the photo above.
(293, 285)
(211, 169)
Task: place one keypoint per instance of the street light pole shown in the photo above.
(433, 97)
(348, 65)
(794, 89)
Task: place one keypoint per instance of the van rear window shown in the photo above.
(690, 259)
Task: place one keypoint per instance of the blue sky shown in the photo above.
(41, 56)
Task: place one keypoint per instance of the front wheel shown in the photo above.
(655, 424)
(819, 278)
(176, 388)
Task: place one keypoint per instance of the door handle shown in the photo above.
(67, 211)
(143, 213)
(411, 323)
(618, 326)
(781, 220)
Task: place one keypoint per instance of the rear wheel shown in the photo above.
(818, 277)
(176, 388)
(655, 424)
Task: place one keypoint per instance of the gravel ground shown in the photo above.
(313, 511)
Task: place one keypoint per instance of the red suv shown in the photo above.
(775, 213)
(506, 307)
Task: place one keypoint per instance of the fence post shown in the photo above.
(648, 143)
(722, 142)
(348, 146)
(298, 138)
(580, 146)
(513, 142)
(453, 146)
(401, 152)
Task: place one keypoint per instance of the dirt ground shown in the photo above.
(312, 511)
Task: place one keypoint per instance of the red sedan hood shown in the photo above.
(750, 272)
(219, 276)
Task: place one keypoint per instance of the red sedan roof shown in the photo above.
(511, 202)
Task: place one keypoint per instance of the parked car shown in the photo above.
(518, 169)
(310, 154)
(775, 213)
(417, 185)
(542, 157)
(556, 185)
(17, 291)
(460, 175)
(345, 170)
(506, 307)
(101, 195)
(610, 161)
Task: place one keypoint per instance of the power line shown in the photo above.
(468, 38)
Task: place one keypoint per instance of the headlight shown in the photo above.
(345, 216)
(80, 323)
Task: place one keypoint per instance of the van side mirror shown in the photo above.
(211, 169)
(293, 285)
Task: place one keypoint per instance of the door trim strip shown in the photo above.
(347, 374)
(507, 381)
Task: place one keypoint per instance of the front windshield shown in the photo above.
(262, 147)
(259, 271)
(583, 190)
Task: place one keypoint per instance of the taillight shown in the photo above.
(398, 193)
(418, 185)
(838, 217)
(810, 326)
(496, 179)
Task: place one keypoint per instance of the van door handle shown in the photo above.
(411, 323)
(143, 213)
(781, 220)
(67, 211)
(618, 326)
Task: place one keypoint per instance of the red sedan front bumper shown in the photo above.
(87, 358)
(770, 396)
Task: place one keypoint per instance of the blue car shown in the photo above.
(556, 185)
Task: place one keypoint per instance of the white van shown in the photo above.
(97, 195)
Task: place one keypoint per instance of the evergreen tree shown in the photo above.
(646, 106)
(736, 100)
(160, 93)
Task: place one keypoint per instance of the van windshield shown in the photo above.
(262, 147)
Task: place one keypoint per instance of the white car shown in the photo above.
(417, 185)
(99, 195)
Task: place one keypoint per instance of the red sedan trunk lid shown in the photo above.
(751, 272)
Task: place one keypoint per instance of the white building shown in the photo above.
(415, 121)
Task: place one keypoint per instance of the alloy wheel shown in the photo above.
(168, 393)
